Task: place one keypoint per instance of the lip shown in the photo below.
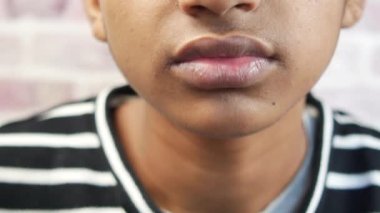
(222, 63)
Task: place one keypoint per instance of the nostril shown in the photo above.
(245, 6)
(198, 8)
(195, 9)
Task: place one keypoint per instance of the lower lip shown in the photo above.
(222, 73)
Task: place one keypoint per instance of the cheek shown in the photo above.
(310, 39)
(314, 48)
(133, 37)
(305, 42)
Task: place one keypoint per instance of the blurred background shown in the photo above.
(48, 56)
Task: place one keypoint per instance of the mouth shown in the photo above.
(221, 63)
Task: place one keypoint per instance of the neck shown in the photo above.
(184, 172)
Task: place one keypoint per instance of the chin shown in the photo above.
(225, 128)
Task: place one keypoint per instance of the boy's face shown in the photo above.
(298, 38)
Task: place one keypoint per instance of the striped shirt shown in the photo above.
(67, 159)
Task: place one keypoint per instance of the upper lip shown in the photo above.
(227, 47)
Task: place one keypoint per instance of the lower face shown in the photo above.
(144, 35)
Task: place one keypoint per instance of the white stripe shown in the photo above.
(325, 158)
(312, 111)
(341, 181)
(113, 156)
(79, 141)
(76, 210)
(345, 119)
(356, 142)
(56, 176)
(70, 110)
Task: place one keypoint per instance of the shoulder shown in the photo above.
(52, 154)
(68, 126)
(353, 179)
(356, 150)
(351, 133)
(66, 118)
(62, 128)
(45, 139)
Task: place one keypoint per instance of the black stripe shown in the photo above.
(340, 112)
(58, 197)
(363, 200)
(46, 158)
(355, 161)
(351, 129)
(66, 125)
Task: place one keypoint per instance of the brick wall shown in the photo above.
(48, 56)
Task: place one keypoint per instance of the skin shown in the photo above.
(231, 150)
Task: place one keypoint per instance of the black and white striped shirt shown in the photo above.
(66, 160)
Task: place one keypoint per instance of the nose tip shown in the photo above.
(217, 7)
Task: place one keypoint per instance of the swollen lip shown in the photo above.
(222, 73)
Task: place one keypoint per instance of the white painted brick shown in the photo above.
(371, 18)
(11, 47)
(344, 68)
(71, 53)
(3, 10)
(40, 8)
(375, 62)
(74, 10)
(17, 94)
